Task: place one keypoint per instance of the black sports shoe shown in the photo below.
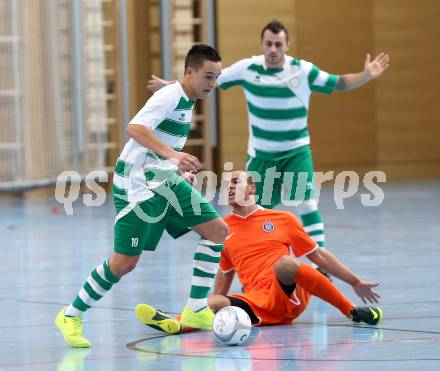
(324, 273)
(369, 315)
(157, 319)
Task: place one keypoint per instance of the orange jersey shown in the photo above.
(255, 243)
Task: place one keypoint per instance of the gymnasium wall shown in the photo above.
(391, 124)
(407, 100)
(37, 91)
(143, 36)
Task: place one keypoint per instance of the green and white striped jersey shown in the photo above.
(139, 170)
(277, 102)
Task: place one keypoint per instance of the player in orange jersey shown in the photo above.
(278, 286)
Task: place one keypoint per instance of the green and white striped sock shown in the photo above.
(205, 265)
(312, 221)
(99, 282)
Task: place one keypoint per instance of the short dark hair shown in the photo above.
(275, 27)
(198, 54)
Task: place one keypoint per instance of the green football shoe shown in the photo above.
(202, 319)
(71, 328)
(157, 319)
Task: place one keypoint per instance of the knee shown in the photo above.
(286, 268)
(121, 265)
(217, 302)
(129, 266)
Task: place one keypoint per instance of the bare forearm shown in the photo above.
(223, 282)
(372, 70)
(145, 137)
(328, 262)
(352, 81)
(157, 83)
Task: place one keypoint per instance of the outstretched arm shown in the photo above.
(328, 262)
(372, 70)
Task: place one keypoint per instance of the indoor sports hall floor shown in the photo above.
(47, 255)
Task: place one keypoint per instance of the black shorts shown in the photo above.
(236, 302)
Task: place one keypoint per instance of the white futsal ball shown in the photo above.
(232, 325)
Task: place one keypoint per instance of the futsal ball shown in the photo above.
(232, 325)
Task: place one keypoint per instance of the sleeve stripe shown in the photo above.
(313, 74)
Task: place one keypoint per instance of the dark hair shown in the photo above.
(275, 27)
(198, 54)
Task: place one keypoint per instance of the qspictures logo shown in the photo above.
(295, 189)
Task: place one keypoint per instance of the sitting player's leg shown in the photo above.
(289, 269)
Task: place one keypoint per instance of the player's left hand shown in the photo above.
(156, 83)
(374, 68)
(365, 290)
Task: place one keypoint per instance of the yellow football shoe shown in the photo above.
(157, 319)
(71, 328)
(202, 319)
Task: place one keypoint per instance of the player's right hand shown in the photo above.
(365, 290)
(156, 83)
(186, 162)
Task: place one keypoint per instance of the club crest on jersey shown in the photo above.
(268, 226)
(257, 78)
(182, 117)
(294, 82)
